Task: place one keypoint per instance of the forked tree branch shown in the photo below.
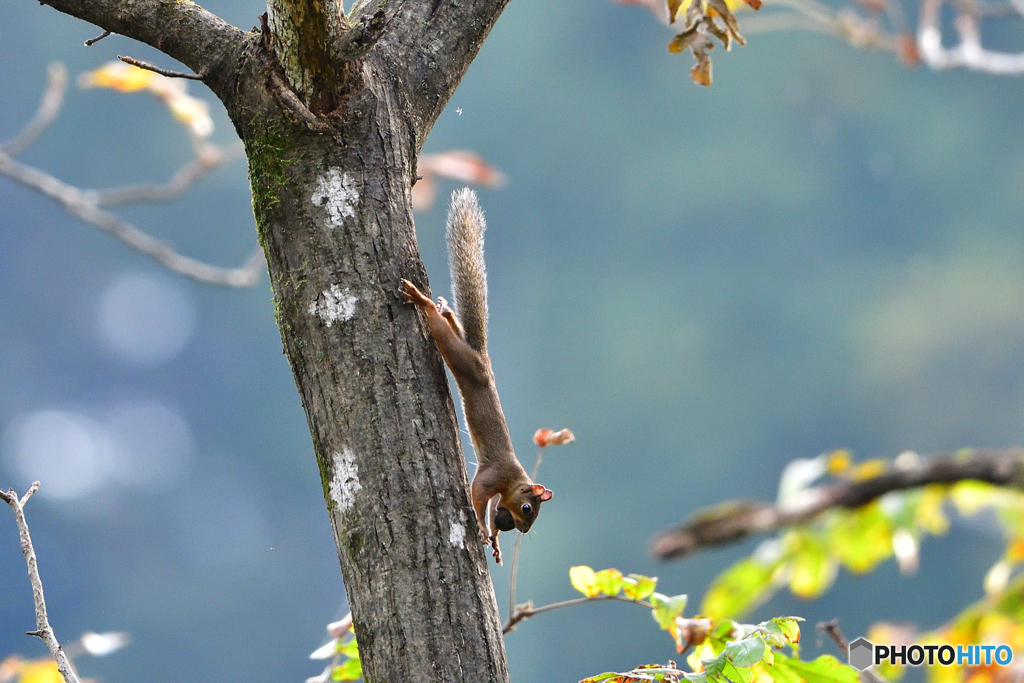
(431, 44)
(183, 30)
(86, 204)
(734, 521)
(43, 628)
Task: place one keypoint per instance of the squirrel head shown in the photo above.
(520, 508)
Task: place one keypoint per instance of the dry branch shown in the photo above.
(86, 204)
(43, 628)
(737, 520)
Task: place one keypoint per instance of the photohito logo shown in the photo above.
(863, 653)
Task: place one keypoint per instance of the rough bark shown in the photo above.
(331, 143)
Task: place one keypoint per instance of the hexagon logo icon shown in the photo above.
(862, 654)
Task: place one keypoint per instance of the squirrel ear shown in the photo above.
(537, 490)
(546, 495)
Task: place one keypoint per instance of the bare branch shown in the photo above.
(734, 521)
(527, 610)
(182, 30)
(155, 69)
(49, 107)
(93, 41)
(831, 629)
(85, 205)
(43, 628)
(208, 159)
(969, 53)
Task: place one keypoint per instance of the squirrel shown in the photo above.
(501, 488)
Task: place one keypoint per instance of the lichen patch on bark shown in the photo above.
(457, 535)
(333, 305)
(338, 194)
(345, 483)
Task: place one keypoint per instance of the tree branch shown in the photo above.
(831, 629)
(49, 107)
(208, 159)
(734, 521)
(43, 628)
(157, 70)
(430, 45)
(85, 205)
(527, 610)
(183, 30)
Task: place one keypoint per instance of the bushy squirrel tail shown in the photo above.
(465, 233)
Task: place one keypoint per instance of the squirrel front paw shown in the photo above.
(412, 294)
(497, 551)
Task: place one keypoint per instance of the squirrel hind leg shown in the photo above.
(448, 314)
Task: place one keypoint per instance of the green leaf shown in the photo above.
(601, 677)
(349, 670)
(824, 669)
(739, 589)
(349, 648)
(790, 627)
(737, 674)
(746, 652)
(861, 538)
(637, 587)
(584, 580)
(608, 581)
(667, 609)
(811, 566)
(714, 667)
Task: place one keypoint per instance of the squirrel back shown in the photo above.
(465, 235)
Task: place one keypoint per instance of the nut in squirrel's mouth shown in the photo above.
(503, 520)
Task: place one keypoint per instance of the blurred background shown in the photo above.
(822, 250)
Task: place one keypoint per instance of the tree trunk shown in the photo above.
(332, 128)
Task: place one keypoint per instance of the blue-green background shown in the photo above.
(822, 250)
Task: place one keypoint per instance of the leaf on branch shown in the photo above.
(549, 437)
(812, 569)
(608, 581)
(173, 92)
(460, 165)
(740, 588)
(584, 580)
(637, 587)
(666, 609)
(349, 670)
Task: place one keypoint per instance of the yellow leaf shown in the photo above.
(839, 461)
(869, 470)
(40, 671)
(118, 76)
(192, 112)
(584, 580)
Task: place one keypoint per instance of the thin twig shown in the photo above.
(49, 107)
(208, 158)
(831, 629)
(739, 519)
(515, 551)
(85, 206)
(163, 72)
(43, 628)
(93, 41)
(527, 610)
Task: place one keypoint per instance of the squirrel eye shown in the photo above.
(527, 509)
